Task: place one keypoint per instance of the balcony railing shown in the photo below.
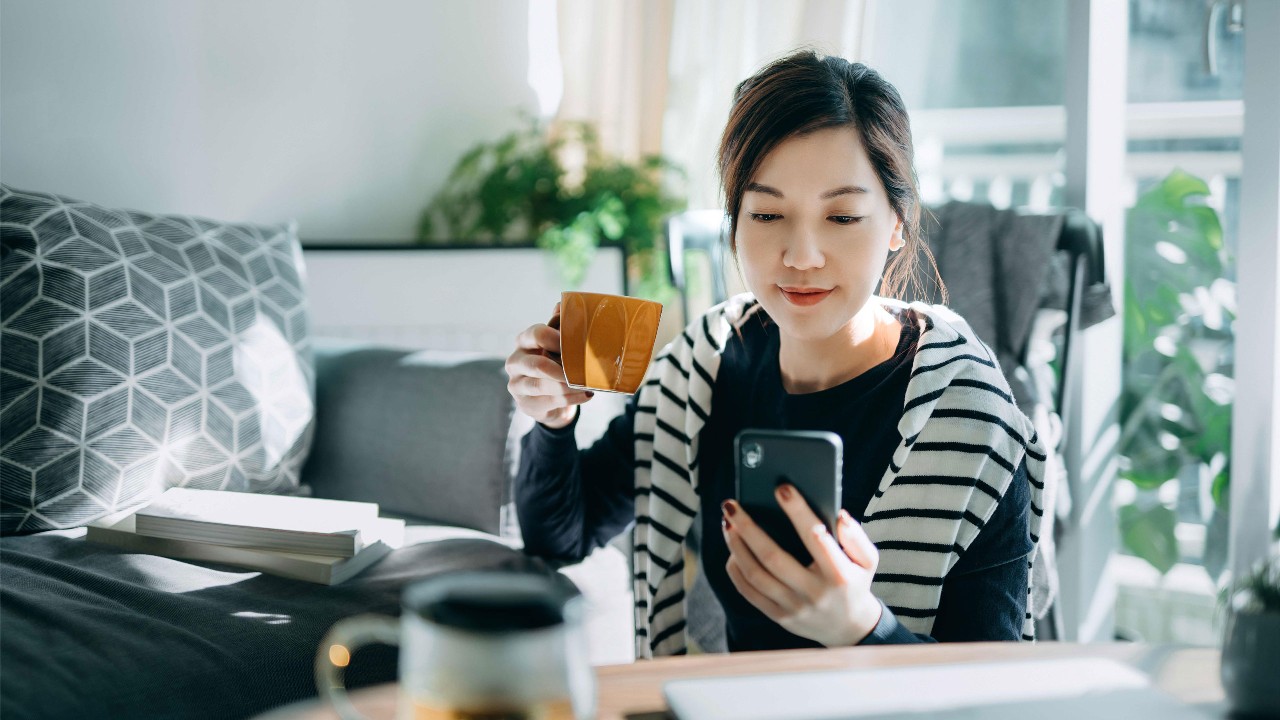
(1013, 156)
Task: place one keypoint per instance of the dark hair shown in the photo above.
(805, 92)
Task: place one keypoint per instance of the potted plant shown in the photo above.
(555, 185)
(1251, 640)
(1175, 409)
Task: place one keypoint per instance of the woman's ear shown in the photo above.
(897, 242)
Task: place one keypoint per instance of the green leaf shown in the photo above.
(1208, 224)
(1214, 424)
(612, 217)
(573, 247)
(1147, 477)
(1257, 590)
(1168, 220)
(1149, 535)
(469, 163)
(513, 188)
(1146, 461)
(1221, 488)
(1180, 185)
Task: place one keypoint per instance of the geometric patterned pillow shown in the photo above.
(140, 352)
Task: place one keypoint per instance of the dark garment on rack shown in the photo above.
(1000, 267)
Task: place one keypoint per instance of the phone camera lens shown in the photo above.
(752, 454)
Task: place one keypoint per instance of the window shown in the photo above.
(984, 80)
(1183, 173)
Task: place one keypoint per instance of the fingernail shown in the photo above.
(724, 523)
(590, 394)
(727, 507)
(845, 514)
(784, 491)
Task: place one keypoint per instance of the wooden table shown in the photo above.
(634, 692)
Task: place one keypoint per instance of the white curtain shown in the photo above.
(658, 75)
(716, 44)
(614, 55)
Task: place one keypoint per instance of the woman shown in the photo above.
(941, 470)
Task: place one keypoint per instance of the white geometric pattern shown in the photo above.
(140, 352)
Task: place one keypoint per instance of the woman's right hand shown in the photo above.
(536, 380)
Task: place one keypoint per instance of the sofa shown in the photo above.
(91, 631)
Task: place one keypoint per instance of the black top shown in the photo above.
(984, 595)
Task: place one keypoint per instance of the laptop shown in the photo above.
(1092, 688)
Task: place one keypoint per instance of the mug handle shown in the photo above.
(339, 644)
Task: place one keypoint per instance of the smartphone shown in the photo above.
(812, 461)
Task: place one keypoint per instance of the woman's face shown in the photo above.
(814, 231)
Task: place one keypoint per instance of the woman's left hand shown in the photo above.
(830, 601)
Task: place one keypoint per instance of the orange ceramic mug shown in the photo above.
(606, 341)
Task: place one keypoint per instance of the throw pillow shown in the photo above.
(144, 351)
(423, 434)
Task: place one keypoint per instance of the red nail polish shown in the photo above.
(727, 507)
(724, 523)
(785, 491)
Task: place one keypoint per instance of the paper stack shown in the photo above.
(312, 539)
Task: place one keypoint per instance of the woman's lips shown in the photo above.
(804, 296)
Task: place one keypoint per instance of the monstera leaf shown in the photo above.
(1149, 534)
(1175, 403)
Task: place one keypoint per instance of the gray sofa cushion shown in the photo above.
(422, 434)
(143, 351)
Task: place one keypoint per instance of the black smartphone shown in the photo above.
(810, 460)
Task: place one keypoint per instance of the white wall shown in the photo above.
(344, 114)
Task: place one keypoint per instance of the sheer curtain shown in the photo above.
(658, 75)
(715, 44)
(614, 55)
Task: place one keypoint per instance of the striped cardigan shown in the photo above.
(963, 438)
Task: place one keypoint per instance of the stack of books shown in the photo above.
(321, 541)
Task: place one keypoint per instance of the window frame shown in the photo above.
(1255, 442)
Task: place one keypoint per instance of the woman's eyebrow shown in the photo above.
(837, 192)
